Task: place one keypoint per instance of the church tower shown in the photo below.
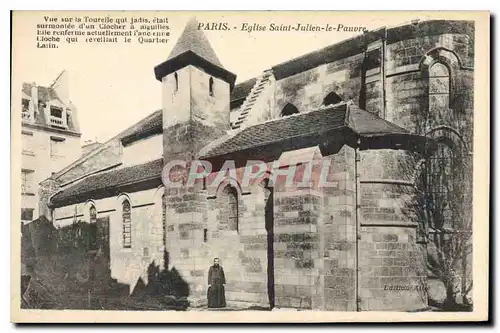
(195, 95)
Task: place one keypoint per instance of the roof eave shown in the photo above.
(191, 58)
(104, 193)
(398, 141)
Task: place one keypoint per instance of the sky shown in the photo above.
(113, 85)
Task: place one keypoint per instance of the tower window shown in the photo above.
(211, 86)
(126, 225)
(176, 86)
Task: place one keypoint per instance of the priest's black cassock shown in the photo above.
(216, 280)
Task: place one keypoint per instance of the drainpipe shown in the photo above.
(358, 219)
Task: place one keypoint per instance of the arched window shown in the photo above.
(440, 187)
(288, 110)
(439, 87)
(211, 86)
(93, 227)
(331, 98)
(228, 205)
(93, 214)
(126, 225)
(176, 78)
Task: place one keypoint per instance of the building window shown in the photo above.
(231, 201)
(176, 83)
(56, 117)
(93, 214)
(211, 86)
(127, 225)
(439, 87)
(56, 147)
(26, 114)
(288, 110)
(27, 181)
(27, 141)
(56, 112)
(93, 227)
(27, 214)
(331, 99)
(440, 187)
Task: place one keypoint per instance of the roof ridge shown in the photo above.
(321, 108)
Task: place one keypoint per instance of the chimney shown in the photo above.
(34, 99)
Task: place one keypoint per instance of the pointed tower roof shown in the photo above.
(193, 48)
(194, 40)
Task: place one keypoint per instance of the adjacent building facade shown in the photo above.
(50, 138)
(373, 108)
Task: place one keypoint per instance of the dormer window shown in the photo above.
(55, 112)
(26, 109)
(56, 117)
(211, 86)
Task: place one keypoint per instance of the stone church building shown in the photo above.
(376, 107)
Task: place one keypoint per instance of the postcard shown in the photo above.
(250, 166)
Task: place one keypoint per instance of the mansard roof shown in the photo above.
(110, 183)
(45, 95)
(308, 128)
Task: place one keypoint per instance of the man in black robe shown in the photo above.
(216, 281)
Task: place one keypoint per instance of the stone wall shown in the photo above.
(198, 231)
(392, 272)
(392, 276)
(128, 265)
(307, 90)
(296, 248)
(338, 234)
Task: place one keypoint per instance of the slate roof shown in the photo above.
(108, 183)
(302, 125)
(193, 48)
(193, 39)
(152, 124)
(46, 94)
